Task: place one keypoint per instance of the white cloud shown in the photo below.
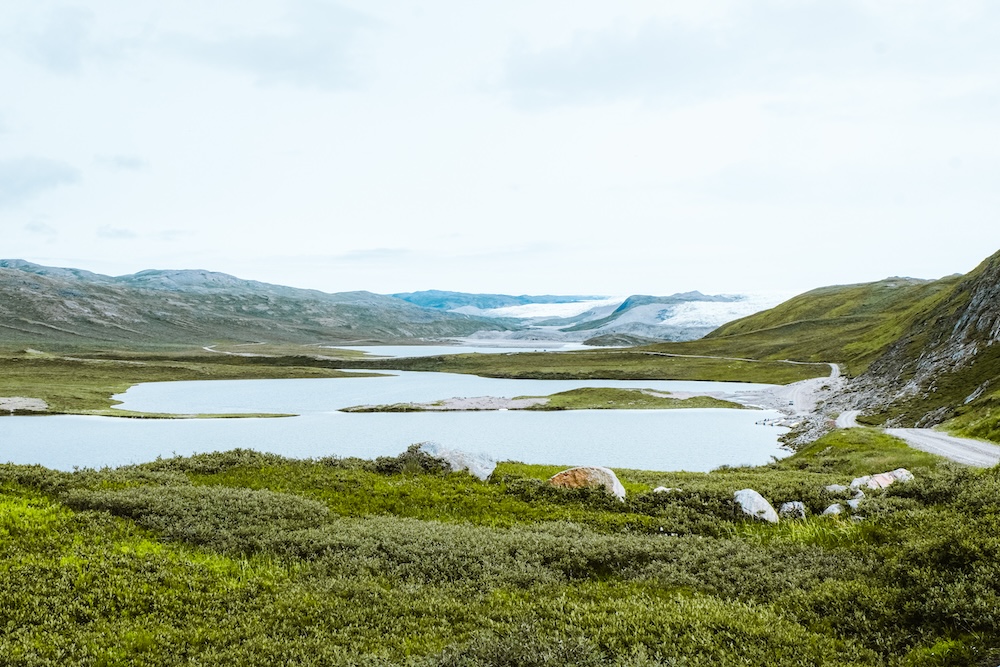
(312, 47)
(27, 177)
(60, 42)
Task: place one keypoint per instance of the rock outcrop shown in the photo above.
(590, 477)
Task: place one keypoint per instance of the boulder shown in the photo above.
(754, 505)
(858, 482)
(882, 479)
(590, 476)
(793, 510)
(835, 508)
(478, 465)
(902, 475)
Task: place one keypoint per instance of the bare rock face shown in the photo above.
(592, 477)
(754, 505)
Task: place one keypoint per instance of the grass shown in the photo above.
(605, 398)
(85, 385)
(584, 398)
(613, 364)
(254, 559)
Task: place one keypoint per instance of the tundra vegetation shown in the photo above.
(253, 559)
(584, 398)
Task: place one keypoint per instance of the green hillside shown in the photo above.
(847, 324)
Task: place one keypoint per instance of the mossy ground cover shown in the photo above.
(612, 364)
(607, 398)
(253, 559)
(84, 384)
(584, 398)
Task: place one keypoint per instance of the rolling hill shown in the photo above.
(40, 304)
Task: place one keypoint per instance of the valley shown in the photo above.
(322, 539)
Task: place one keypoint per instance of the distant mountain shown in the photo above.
(603, 320)
(451, 301)
(41, 304)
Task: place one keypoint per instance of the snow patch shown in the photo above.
(717, 313)
(533, 310)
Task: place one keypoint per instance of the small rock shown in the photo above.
(858, 482)
(793, 510)
(859, 495)
(665, 489)
(902, 475)
(835, 508)
(590, 476)
(853, 503)
(882, 479)
(753, 504)
(835, 488)
(479, 465)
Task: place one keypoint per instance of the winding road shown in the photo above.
(962, 450)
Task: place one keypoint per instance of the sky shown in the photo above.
(568, 147)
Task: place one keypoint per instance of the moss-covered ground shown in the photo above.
(250, 559)
(84, 383)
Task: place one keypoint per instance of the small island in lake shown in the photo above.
(584, 398)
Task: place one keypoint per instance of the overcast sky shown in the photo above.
(518, 146)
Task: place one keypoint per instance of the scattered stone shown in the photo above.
(859, 495)
(835, 508)
(792, 510)
(882, 479)
(902, 475)
(14, 404)
(754, 505)
(590, 476)
(853, 503)
(665, 489)
(858, 482)
(478, 465)
(835, 488)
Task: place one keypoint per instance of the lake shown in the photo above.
(696, 440)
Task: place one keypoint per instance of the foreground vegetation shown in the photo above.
(253, 559)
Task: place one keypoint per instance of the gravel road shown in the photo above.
(963, 450)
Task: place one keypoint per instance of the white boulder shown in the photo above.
(478, 465)
(792, 510)
(755, 505)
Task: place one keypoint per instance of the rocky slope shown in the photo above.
(41, 304)
(946, 363)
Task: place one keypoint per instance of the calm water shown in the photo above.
(651, 439)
